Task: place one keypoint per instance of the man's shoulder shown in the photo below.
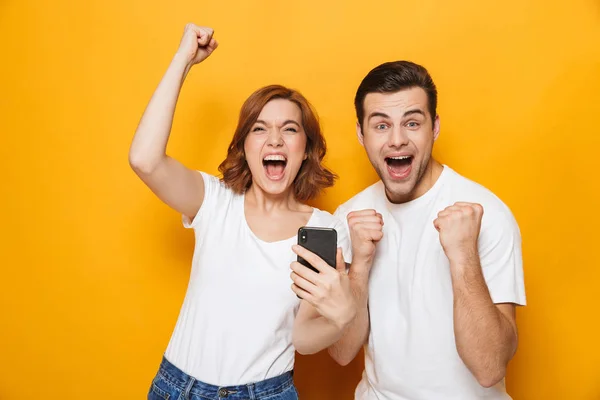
(461, 188)
(367, 198)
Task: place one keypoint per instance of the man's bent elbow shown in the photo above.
(490, 378)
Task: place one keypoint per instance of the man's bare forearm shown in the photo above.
(486, 339)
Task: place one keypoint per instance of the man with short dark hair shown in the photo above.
(438, 257)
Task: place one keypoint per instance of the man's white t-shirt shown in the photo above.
(235, 325)
(411, 353)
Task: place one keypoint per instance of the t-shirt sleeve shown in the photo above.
(213, 191)
(345, 243)
(501, 256)
(343, 239)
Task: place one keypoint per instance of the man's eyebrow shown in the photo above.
(415, 111)
(378, 114)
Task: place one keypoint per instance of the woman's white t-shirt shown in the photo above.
(235, 325)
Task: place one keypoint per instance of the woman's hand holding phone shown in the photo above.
(327, 290)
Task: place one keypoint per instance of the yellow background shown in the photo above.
(94, 267)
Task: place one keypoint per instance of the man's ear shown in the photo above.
(436, 127)
(359, 134)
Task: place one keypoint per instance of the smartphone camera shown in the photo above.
(303, 236)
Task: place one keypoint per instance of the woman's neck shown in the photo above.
(267, 202)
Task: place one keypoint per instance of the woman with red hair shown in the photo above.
(240, 323)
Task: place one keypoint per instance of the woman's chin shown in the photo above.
(273, 187)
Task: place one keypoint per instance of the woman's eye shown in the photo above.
(258, 128)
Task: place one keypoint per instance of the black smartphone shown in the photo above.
(320, 241)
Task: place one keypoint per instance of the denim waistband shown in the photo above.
(177, 377)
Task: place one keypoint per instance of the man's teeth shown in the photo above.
(274, 157)
(399, 158)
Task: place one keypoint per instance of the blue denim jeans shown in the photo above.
(171, 383)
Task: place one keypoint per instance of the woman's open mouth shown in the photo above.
(274, 165)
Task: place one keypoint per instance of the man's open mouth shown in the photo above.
(399, 166)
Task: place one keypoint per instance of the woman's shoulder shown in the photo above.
(325, 219)
(215, 187)
(218, 202)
